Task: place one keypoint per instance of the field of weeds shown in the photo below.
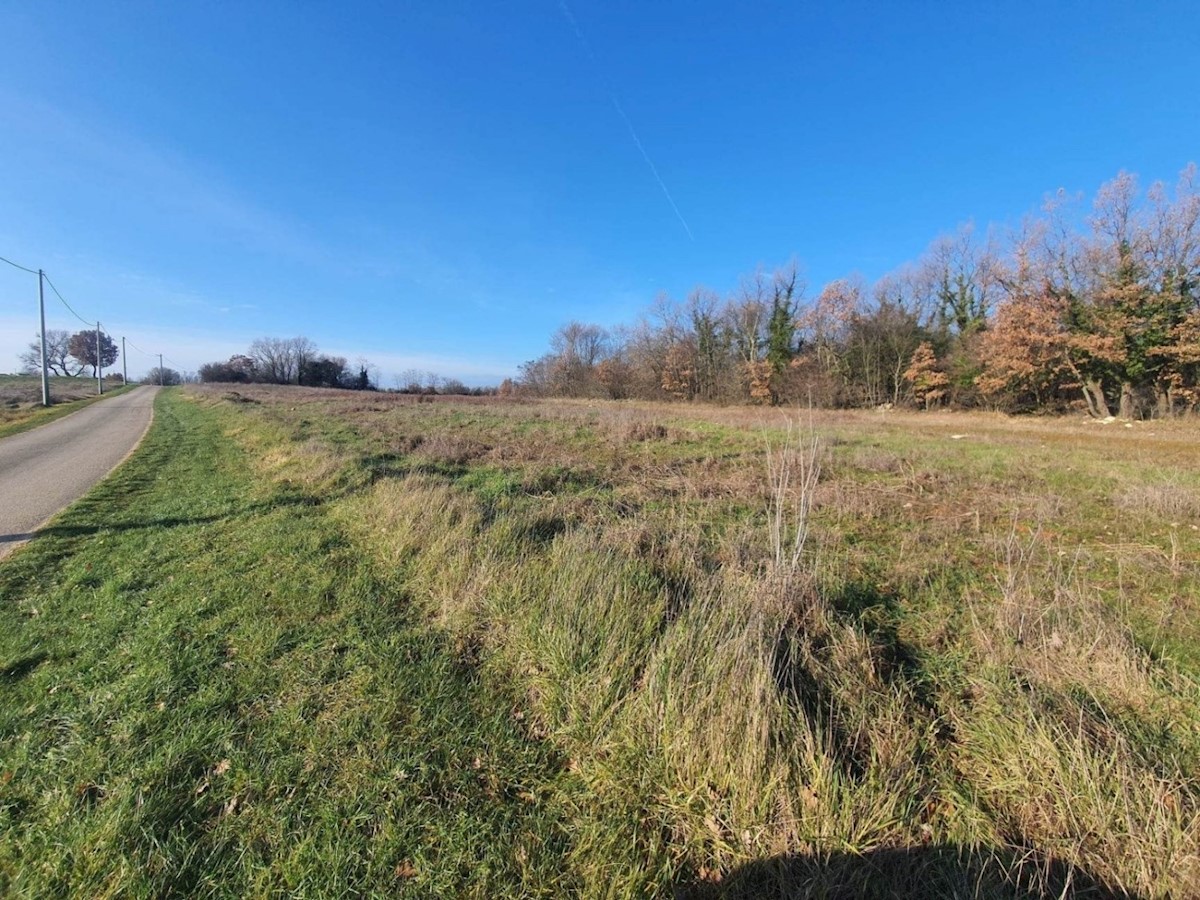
(807, 649)
(21, 399)
(321, 642)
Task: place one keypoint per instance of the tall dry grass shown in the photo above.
(723, 701)
(756, 721)
(1076, 739)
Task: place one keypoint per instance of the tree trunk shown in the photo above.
(1163, 401)
(1127, 407)
(1093, 393)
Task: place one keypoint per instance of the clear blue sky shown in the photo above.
(440, 185)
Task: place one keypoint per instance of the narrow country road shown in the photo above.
(46, 469)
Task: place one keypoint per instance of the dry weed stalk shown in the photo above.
(793, 471)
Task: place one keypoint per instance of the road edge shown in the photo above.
(7, 550)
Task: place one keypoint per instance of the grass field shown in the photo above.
(21, 400)
(317, 643)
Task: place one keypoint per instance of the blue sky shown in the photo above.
(440, 185)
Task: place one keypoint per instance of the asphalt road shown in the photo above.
(46, 469)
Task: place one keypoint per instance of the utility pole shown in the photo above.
(45, 363)
(99, 374)
(160, 372)
(124, 364)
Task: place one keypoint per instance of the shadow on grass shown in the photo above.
(56, 541)
(878, 614)
(933, 871)
(17, 670)
(70, 531)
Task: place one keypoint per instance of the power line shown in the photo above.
(17, 266)
(45, 279)
(64, 301)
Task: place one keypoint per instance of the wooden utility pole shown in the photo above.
(99, 374)
(45, 363)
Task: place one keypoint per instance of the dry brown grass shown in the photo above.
(956, 654)
(21, 399)
(19, 392)
(1171, 501)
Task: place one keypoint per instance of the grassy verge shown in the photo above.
(207, 691)
(21, 398)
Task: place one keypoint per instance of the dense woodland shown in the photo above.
(1095, 310)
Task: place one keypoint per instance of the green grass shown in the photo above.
(968, 606)
(207, 692)
(21, 398)
(981, 680)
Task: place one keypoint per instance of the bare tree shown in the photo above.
(58, 354)
(710, 341)
(165, 376)
(281, 360)
(745, 317)
(578, 349)
(963, 272)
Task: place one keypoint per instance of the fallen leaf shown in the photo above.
(715, 827)
(405, 870)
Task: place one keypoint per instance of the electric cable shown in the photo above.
(64, 301)
(17, 266)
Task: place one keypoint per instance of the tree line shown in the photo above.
(1098, 311)
(289, 361)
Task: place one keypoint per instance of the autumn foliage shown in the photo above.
(1104, 318)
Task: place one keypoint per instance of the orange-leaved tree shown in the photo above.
(924, 374)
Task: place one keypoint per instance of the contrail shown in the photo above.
(566, 11)
(646, 156)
